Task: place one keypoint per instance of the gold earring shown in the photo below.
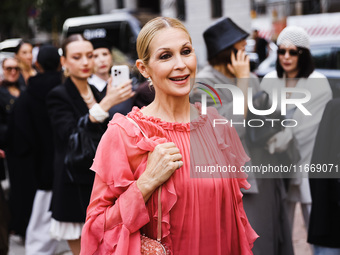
(66, 72)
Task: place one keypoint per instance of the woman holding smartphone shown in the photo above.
(79, 115)
(102, 72)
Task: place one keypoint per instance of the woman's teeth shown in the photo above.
(179, 79)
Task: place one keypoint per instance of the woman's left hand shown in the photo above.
(116, 94)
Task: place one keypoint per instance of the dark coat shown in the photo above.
(6, 106)
(324, 222)
(20, 198)
(31, 112)
(68, 114)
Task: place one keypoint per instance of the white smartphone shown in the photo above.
(120, 74)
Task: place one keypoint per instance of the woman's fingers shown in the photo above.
(176, 157)
(233, 58)
(231, 69)
(177, 164)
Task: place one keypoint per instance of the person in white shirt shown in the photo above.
(295, 71)
(103, 62)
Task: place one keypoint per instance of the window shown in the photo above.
(181, 15)
(120, 4)
(337, 59)
(216, 8)
(151, 6)
(322, 58)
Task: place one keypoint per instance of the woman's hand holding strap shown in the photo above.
(161, 164)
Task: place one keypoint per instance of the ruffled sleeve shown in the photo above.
(117, 209)
(231, 146)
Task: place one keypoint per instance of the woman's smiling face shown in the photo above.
(172, 64)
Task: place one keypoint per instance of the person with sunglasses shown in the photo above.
(295, 73)
(9, 93)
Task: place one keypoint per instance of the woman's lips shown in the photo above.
(180, 80)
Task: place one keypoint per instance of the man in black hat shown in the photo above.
(34, 129)
(263, 202)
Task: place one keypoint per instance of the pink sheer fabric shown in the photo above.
(199, 215)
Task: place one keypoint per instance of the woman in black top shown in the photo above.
(9, 92)
(79, 117)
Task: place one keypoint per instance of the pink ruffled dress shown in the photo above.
(199, 215)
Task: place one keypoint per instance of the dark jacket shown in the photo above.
(324, 221)
(31, 111)
(20, 199)
(6, 106)
(69, 115)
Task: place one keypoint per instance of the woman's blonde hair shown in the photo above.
(149, 31)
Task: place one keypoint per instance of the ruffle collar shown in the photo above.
(176, 126)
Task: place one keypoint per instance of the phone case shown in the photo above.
(120, 74)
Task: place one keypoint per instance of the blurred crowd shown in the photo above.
(55, 108)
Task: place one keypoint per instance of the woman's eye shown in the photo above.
(186, 51)
(165, 56)
(76, 57)
(90, 56)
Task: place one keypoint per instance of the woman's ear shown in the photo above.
(62, 61)
(142, 68)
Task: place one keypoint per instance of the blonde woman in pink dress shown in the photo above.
(199, 215)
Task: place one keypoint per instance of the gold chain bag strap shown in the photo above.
(150, 246)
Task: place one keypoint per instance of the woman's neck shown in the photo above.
(27, 71)
(14, 91)
(292, 74)
(81, 85)
(169, 109)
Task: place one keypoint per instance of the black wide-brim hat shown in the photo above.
(100, 43)
(221, 35)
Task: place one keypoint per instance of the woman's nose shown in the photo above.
(180, 64)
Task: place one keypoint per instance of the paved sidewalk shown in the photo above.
(17, 247)
(301, 247)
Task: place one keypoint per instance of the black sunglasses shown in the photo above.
(291, 52)
(10, 68)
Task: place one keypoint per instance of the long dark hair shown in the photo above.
(222, 58)
(305, 64)
(22, 42)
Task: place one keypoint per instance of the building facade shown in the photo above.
(197, 15)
